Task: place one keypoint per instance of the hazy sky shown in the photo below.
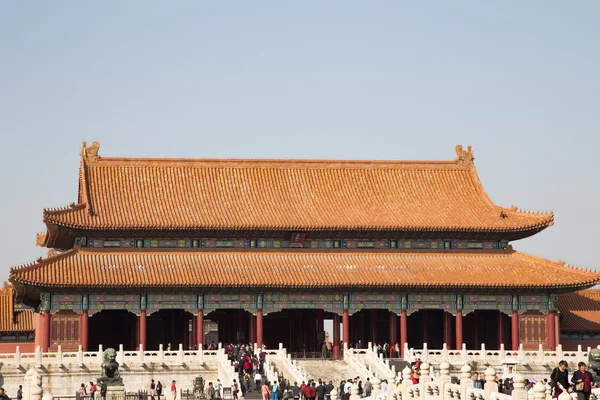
(519, 81)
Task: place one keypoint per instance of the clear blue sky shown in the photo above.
(306, 79)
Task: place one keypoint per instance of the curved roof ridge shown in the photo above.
(43, 261)
(560, 265)
(64, 209)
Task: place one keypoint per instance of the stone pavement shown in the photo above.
(329, 370)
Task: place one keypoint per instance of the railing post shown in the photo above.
(580, 352)
(444, 352)
(161, 354)
(391, 385)
(406, 382)
(548, 392)
(559, 352)
(425, 355)
(141, 354)
(539, 391)
(59, 356)
(17, 357)
(38, 355)
(354, 392)
(463, 352)
(181, 354)
(490, 382)
(120, 355)
(425, 376)
(519, 392)
(376, 382)
(541, 356)
(444, 375)
(502, 352)
(80, 356)
(483, 353)
(521, 356)
(333, 395)
(465, 380)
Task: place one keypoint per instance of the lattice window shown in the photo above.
(533, 329)
(65, 328)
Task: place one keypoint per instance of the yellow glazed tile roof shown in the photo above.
(287, 195)
(580, 311)
(302, 268)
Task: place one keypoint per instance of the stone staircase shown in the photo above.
(329, 370)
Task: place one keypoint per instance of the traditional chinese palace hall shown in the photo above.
(267, 250)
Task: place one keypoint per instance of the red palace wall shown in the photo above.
(573, 343)
(11, 347)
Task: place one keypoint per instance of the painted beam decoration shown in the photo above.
(71, 302)
(283, 301)
(156, 302)
(295, 242)
(101, 302)
(273, 302)
(485, 302)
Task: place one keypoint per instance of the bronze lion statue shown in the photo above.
(110, 366)
(594, 362)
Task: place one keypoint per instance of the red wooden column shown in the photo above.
(501, 329)
(393, 332)
(200, 329)
(477, 324)
(425, 325)
(83, 330)
(346, 326)
(142, 328)
(403, 336)
(259, 328)
(373, 323)
(252, 327)
(459, 329)
(336, 336)
(515, 330)
(46, 335)
(320, 320)
(39, 330)
(448, 329)
(551, 331)
(557, 328)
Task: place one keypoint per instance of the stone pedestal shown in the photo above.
(115, 393)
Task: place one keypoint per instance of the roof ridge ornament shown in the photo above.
(464, 157)
(90, 153)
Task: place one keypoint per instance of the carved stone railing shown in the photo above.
(226, 371)
(61, 358)
(496, 357)
(380, 366)
(351, 356)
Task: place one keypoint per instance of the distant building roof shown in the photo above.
(11, 320)
(580, 311)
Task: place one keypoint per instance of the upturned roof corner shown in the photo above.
(464, 157)
(90, 153)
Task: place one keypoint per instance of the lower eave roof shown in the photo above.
(301, 268)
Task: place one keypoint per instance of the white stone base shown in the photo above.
(115, 393)
(67, 380)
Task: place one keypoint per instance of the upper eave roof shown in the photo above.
(580, 311)
(301, 268)
(287, 195)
